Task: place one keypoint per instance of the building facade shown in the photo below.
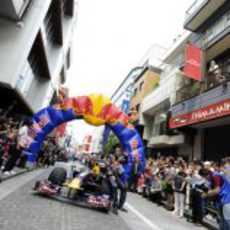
(35, 52)
(124, 97)
(144, 84)
(201, 110)
(155, 107)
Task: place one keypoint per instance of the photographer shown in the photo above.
(219, 189)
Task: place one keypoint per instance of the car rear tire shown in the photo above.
(58, 176)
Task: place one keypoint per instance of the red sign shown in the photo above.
(193, 62)
(206, 113)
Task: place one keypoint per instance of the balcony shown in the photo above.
(217, 37)
(13, 9)
(217, 76)
(25, 79)
(199, 12)
(165, 140)
(161, 94)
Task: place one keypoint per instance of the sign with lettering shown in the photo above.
(206, 113)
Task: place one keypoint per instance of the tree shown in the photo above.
(112, 142)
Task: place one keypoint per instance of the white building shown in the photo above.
(155, 107)
(35, 51)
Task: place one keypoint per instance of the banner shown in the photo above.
(193, 62)
(125, 106)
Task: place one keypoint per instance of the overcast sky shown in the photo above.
(111, 37)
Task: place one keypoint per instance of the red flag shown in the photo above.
(193, 59)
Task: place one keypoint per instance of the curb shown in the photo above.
(17, 174)
(205, 223)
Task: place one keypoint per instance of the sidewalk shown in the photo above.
(18, 171)
(210, 224)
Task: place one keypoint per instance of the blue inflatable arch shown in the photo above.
(95, 110)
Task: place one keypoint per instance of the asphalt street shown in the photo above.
(20, 209)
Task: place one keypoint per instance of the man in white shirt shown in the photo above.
(23, 134)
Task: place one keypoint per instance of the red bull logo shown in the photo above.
(80, 105)
(96, 110)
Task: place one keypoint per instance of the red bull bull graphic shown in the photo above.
(96, 110)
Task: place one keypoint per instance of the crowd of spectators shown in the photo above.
(12, 144)
(50, 153)
(191, 188)
(178, 185)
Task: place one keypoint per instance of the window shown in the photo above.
(228, 16)
(68, 57)
(163, 128)
(67, 7)
(49, 25)
(138, 107)
(62, 74)
(141, 86)
(135, 92)
(53, 24)
(37, 59)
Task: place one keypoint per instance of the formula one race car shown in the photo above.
(84, 189)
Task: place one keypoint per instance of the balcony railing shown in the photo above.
(25, 79)
(218, 28)
(217, 76)
(193, 8)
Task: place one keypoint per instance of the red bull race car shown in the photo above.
(83, 189)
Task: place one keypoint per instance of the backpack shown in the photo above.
(178, 181)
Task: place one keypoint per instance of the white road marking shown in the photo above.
(142, 217)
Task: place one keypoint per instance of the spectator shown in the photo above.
(23, 133)
(135, 174)
(220, 189)
(179, 187)
(13, 150)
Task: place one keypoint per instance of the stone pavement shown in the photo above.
(22, 210)
(157, 218)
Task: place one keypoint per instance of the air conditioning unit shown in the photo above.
(13, 9)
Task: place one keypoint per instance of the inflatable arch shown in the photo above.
(95, 110)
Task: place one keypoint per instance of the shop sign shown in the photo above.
(206, 113)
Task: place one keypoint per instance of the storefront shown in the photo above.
(216, 143)
(211, 125)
